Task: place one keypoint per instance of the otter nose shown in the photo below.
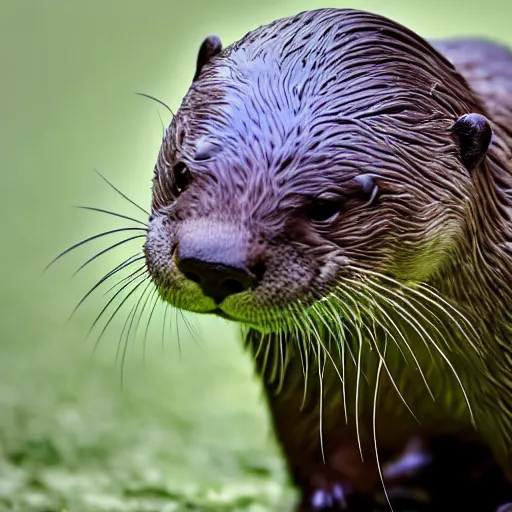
(217, 280)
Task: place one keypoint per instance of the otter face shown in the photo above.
(253, 240)
(274, 191)
(254, 236)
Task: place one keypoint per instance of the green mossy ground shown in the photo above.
(184, 432)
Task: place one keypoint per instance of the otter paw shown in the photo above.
(507, 507)
(326, 499)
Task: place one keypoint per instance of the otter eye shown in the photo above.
(181, 177)
(322, 209)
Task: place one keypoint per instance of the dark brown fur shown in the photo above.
(302, 108)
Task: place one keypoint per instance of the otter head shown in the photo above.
(310, 154)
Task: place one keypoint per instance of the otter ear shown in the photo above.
(474, 134)
(210, 48)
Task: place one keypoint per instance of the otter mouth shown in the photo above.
(252, 323)
(221, 314)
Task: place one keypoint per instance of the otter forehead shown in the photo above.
(320, 67)
(327, 90)
(309, 102)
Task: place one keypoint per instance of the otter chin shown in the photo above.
(341, 187)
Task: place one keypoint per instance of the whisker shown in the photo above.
(312, 326)
(176, 321)
(266, 356)
(413, 323)
(311, 331)
(341, 349)
(110, 302)
(338, 320)
(282, 359)
(149, 322)
(126, 263)
(358, 382)
(301, 315)
(372, 335)
(161, 122)
(304, 364)
(118, 350)
(374, 426)
(383, 312)
(87, 240)
(275, 366)
(258, 349)
(325, 349)
(321, 411)
(387, 333)
(410, 305)
(450, 366)
(455, 310)
(347, 290)
(124, 196)
(141, 270)
(388, 371)
(303, 349)
(164, 323)
(191, 329)
(144, 95)
(128, 295)
(433, 293)
(114, 214)
(104, 251)
(357, 322)
(127, 338)
(144, 304)
(149, 296)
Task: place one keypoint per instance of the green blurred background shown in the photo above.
(188, 429)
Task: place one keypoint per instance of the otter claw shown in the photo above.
(322, 500)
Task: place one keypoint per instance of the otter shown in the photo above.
(341, 188)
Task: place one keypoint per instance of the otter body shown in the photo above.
(341, 187)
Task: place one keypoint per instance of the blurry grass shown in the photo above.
(184, 432)
(179, 424)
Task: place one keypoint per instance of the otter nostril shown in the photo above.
(217, 280)
(192, 277)
(259, 270)
(233, 286)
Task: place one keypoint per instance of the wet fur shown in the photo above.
(418, 286)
